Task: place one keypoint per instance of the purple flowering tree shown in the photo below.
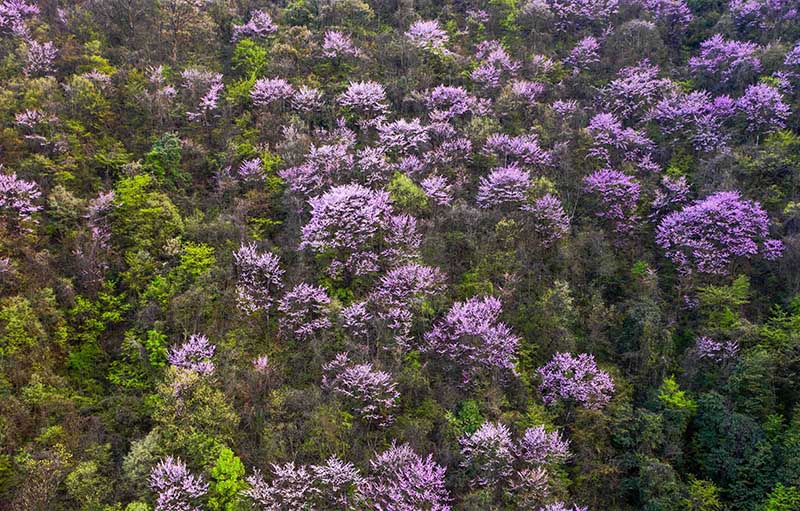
(585, 53)
(271, 91)
(39, 58)
(614, 144)
(356, 228)
(494, 65)
(372, 394)
(471, 337)
(195, 355)
(706, 348)
(709, 235)
(14, 15)
(18, 200)
(524, 149)
(259, 26)
(401, 480)
(488, 453)
(438, 189)
(400, 293)
(635, 90)
(304, 311)
(617, 195)
(403, 136)
(176, 488)
(539, 447)
(547, 218)
(575, 379)
(695, 118)
(427, 35)
(726, 60)
(763, 108)
(260, 277)
(366, 98)
(334, 485)
(338, 45)
(575, 14)
(504, 187)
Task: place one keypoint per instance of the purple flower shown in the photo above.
(763, 108)
(260, 277)
(401, 480)
(427, 35)
(576, 379)
(366, 97)
(401, 292)
(793, 56)
(710, 234)
(538, 447)
(336, 44)
(504, 187)
(372, 394)
(635, 90)
(304, 311)
(488, 453)
(584, 54)
(438, 189)
(355, 319)
(472, 337)
(707, 348)
(694, 118)
(177, 489)
(524, 148)
(259, 26)
(724, 59)
(352, 223)
(39, 58)
(617, 194)
(403, 136)
(17, 198)
(307, 99)
(548, 218)
(527, 91)
(611, 143)
(763, 14)
(573, 14)
(267, 91)
(194, 354)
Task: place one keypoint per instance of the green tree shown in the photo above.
(226, 482)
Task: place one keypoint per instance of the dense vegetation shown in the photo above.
(399, 256)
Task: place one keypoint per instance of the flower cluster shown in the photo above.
(259, 27)
(710, 234)
(372, 394)
(695, 118)
(472, 337)
(575, 379)
(427, 35)
(494, 64)
(617, 194)
(523, 148)
(260, 277)
(18, 198)
(356, 227)
(402, 480)
(304, 311)
(268, 91)
(337, 44)
(725, 60)
(334, 485)
(707, 348)
(504, 187)
(194, 354)
(176, 487)
(763, 108)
